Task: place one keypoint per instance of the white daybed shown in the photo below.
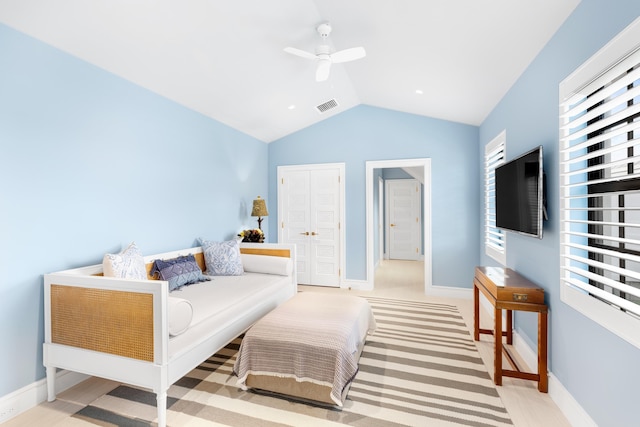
(119, 328)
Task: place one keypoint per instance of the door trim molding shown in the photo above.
(342, 229)
(381, 222)
(425, 164)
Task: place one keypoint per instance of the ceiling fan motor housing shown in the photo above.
(324, 30)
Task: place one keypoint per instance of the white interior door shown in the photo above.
(404, 230)
(295, 218)
(325, 227)
(310, 203)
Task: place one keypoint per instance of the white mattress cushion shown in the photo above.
(221, 301)
(266, 264)
(180, 315)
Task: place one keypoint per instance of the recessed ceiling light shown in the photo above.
(419, 91)
(292, 107)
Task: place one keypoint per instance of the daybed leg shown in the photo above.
(162, 409)
(51, 383)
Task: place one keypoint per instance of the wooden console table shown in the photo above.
(507, 290)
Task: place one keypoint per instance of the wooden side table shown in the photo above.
(507, 290)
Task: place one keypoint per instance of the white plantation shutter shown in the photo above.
(494, 238)
(600, 188)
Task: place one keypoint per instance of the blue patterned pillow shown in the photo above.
(128, 264)
(222, 258)
(180, 271)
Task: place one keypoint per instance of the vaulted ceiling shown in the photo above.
(447, 59)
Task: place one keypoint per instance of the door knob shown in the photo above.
(306, 233)
(313, 233)
(393, 225)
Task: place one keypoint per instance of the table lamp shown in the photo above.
(259, 210)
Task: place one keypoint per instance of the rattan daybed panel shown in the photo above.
(109, 321)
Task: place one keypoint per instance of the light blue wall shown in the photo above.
(366, 133)
(596, 367)
(90, 162)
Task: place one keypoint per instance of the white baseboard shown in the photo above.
(527, 354)
(571, 409)
(30, 396)
(437, 291)
(360, 285)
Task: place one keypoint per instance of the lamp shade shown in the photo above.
(259, 208)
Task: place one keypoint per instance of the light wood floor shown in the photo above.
(526, 405)
(394, 279)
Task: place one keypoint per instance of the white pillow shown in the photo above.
(180, 312)
(267, 264)
(128, 264)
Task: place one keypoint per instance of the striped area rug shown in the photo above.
(419, 368)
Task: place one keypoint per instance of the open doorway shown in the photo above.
(419, 168)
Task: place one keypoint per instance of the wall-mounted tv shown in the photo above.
(520, 195)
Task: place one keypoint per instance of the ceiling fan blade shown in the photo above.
(322, 71)
(300, 53)
(347, 55)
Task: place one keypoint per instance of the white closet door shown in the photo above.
(310, 207)
(325, 227)
(295, 218)
(405, 237)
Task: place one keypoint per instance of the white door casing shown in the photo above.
(380, 224)
(404, 227)
(311, 212)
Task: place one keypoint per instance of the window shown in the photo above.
(494, 238)
(600, 187)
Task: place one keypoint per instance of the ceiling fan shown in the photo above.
(323, 54)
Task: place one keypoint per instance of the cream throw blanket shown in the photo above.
(312, 337)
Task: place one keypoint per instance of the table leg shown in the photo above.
(509, 327)
(543, 383)
(497, 334)
(476, 313)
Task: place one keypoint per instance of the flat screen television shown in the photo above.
(520, 195)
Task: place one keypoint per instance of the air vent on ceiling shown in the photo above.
(325, 106)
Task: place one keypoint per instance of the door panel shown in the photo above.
(405, 237)
(296, 214)
(325, 208)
